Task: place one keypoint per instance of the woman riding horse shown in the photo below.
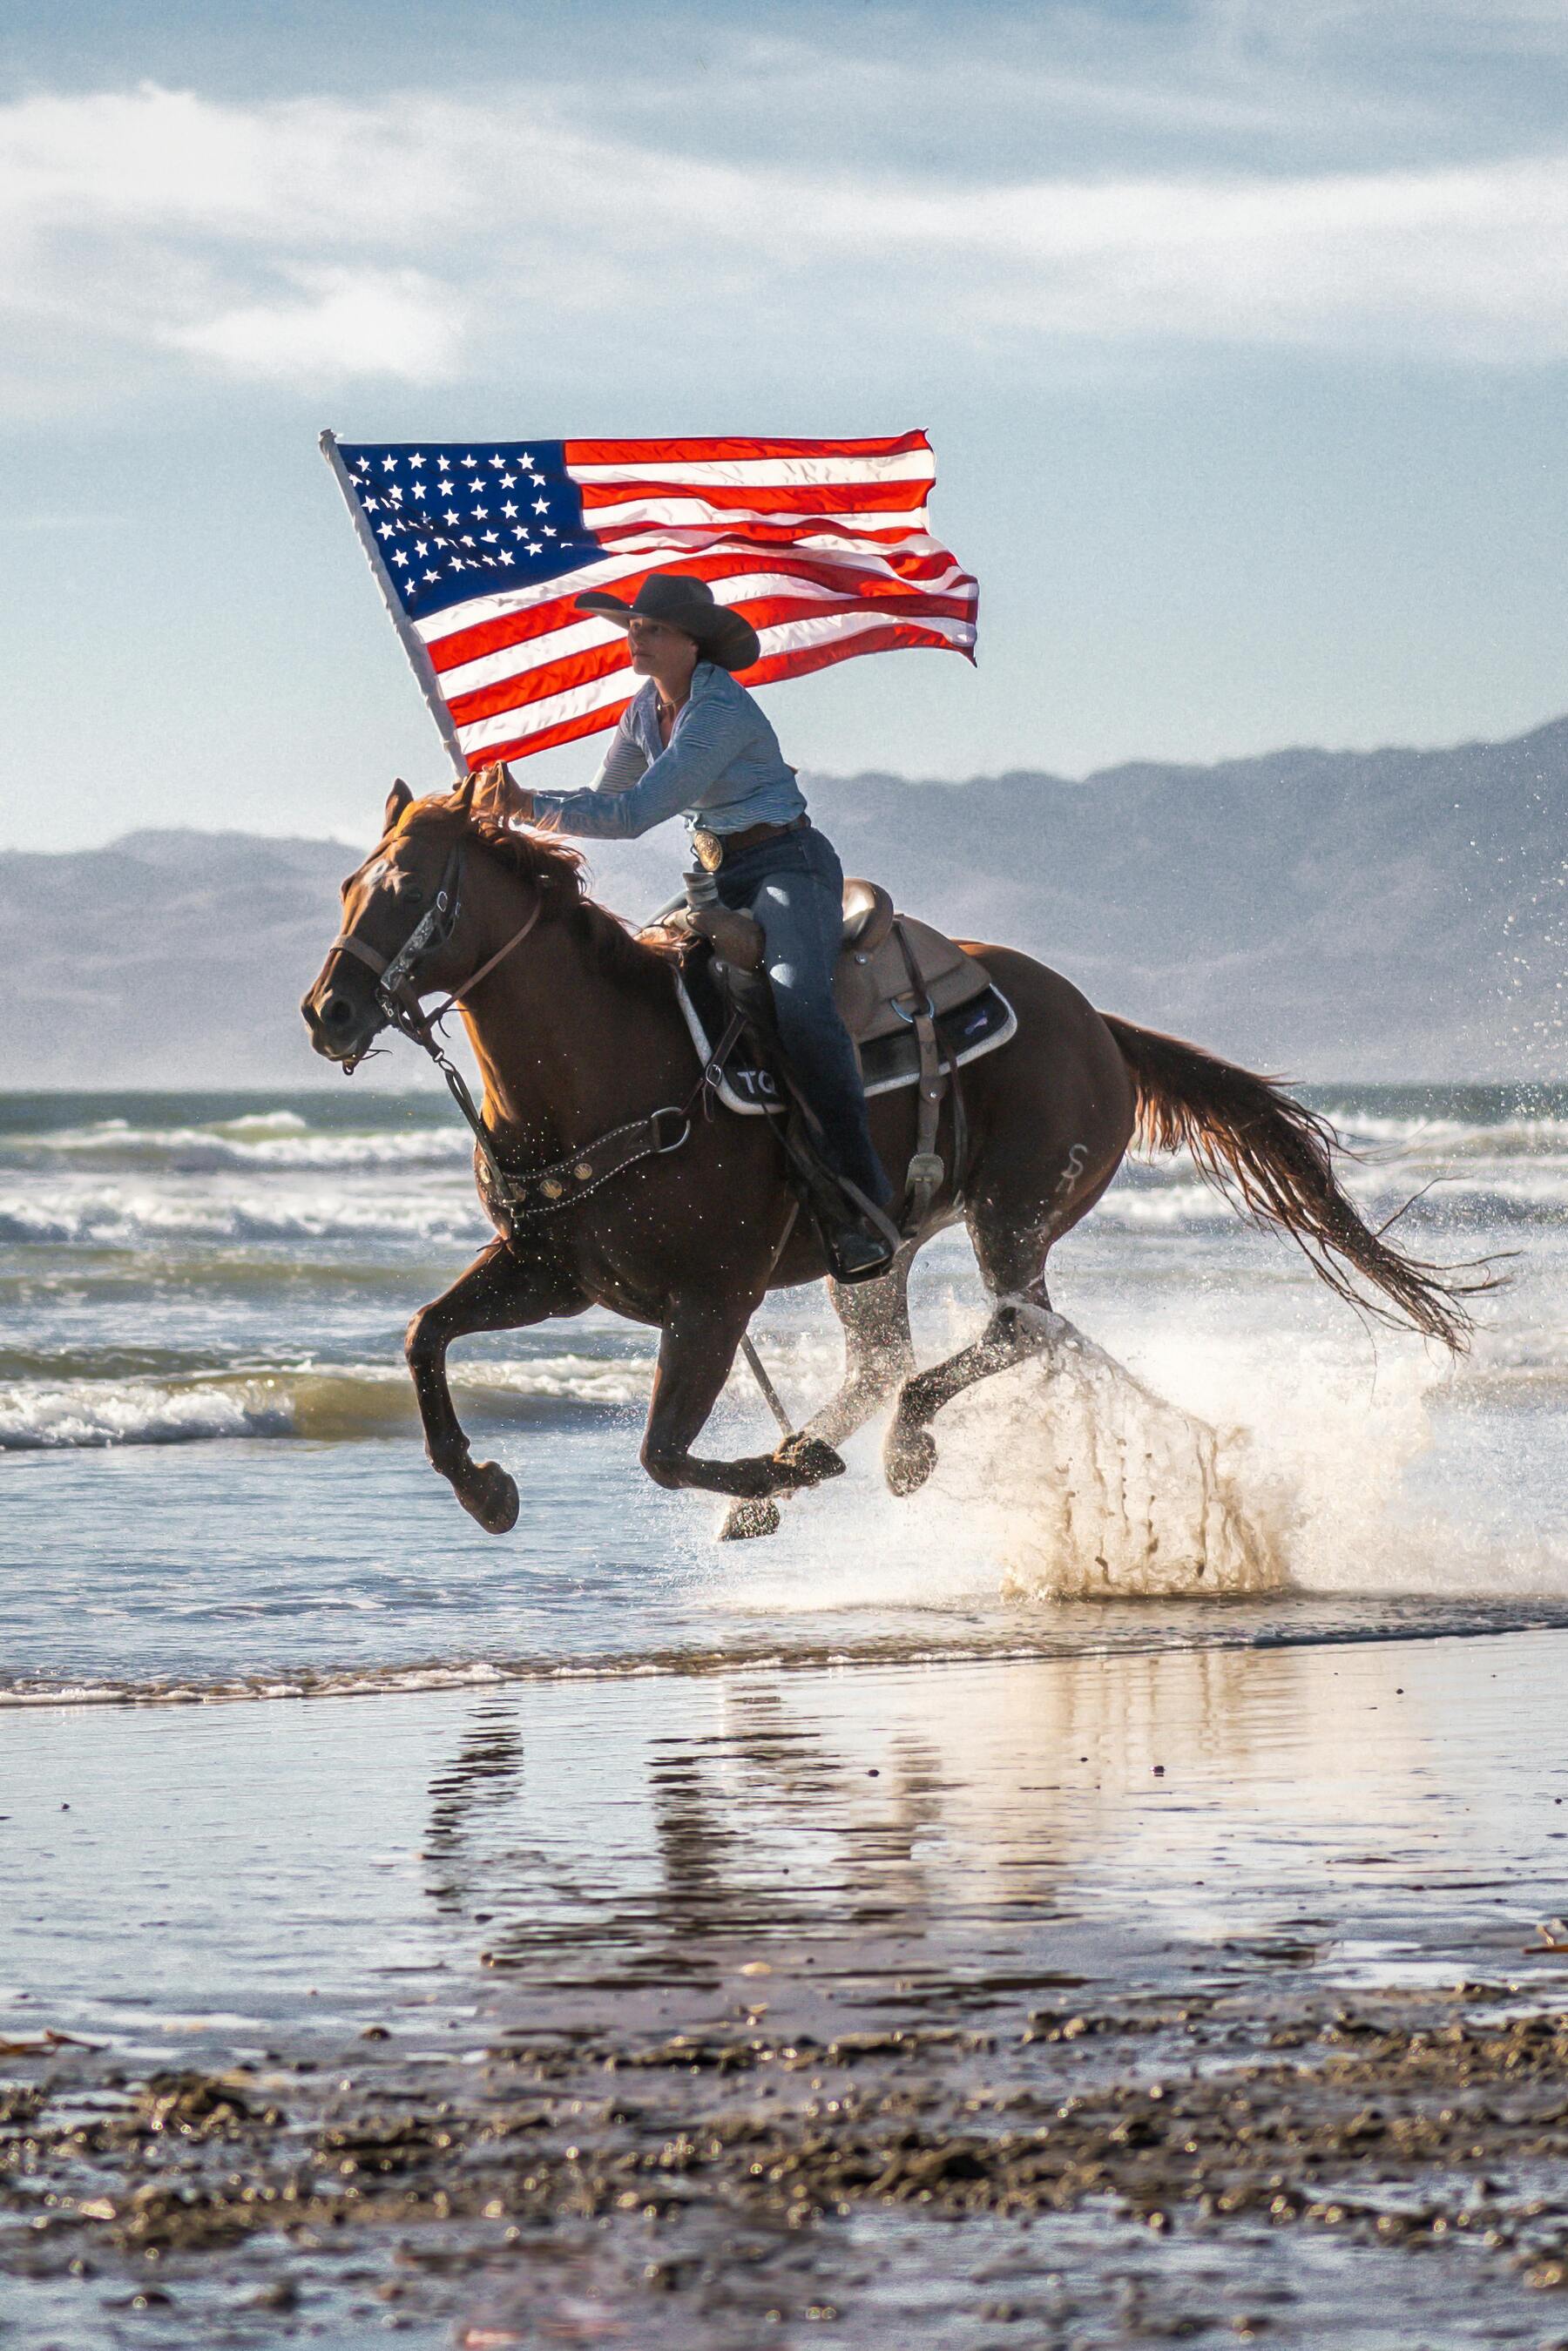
(694, 742)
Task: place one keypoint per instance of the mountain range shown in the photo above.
(1382, 914)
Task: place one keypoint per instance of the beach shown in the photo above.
(1107, 1999)
(1098, 1901)
(1089, 1870)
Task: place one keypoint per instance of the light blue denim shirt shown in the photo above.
(723, 770)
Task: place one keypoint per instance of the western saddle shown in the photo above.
(894, 974)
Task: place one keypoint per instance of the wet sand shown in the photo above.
(1099, 2001)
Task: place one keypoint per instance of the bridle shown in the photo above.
(544, 1190)
(396, 991)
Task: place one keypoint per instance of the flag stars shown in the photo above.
(452, 514)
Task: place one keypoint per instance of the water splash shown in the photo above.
(1098, 1489)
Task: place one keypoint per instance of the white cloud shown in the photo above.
(166, 161)
(408, 237)
(394, 323)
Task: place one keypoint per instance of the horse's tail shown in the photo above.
(1275, 1158)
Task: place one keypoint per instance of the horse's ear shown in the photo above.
(464, 795)
(398, 798)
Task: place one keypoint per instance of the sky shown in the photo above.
(1239, 330)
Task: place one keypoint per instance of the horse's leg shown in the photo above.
(695, 1354)
(1021, 1323)
(879, 1352)
(1052, 1124)
(498, 1292)
(879, 1348)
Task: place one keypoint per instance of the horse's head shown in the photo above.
(400, 909)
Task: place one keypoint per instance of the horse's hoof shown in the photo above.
(909, 1460)
(808, 1460)
(744, 1522)
(490, 1495)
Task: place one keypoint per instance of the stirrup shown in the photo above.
(855, 1253)
(861, 1247)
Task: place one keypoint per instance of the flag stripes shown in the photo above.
(821, 545)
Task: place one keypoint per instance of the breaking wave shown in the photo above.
(123, 1217)
(270, 1139)
(397, 1171)
(336, 1404)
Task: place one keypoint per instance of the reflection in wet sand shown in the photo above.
(915, 1833)
(657, 2006)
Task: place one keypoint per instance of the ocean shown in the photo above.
(213, 1485)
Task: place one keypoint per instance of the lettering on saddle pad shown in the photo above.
(755, 1086)
(888, 1063)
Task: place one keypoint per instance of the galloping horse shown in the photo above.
(576, 1028)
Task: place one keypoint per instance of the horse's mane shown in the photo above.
(560, 875)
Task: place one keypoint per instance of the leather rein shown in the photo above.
(543, 1190)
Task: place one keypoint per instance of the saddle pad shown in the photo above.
(888, 1062)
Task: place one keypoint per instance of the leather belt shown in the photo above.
(714, 849)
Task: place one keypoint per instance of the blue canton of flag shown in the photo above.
(452, 522)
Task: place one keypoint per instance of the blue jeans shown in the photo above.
(794, 887)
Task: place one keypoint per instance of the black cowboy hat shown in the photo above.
(681, 600)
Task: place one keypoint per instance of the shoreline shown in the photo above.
(1152, 1627)
(807, 1962)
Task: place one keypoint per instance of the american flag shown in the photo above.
(481, 550)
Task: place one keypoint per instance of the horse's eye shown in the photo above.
(407, 890)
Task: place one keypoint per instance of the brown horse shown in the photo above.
(576, 1029)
